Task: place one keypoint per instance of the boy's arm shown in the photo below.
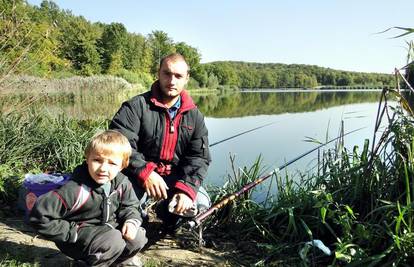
(47, 218)
(128, 121)
(128, 210)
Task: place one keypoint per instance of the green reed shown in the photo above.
(35, 142)
(359, 204)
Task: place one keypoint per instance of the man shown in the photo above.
(169, 141)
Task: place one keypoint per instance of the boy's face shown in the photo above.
(103, 167)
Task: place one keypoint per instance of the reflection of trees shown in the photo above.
(247, 104)
(225, 105)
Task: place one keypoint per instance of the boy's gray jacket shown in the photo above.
(177, 149)
(80, 205)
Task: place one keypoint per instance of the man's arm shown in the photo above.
(128, 121)
(196, 161)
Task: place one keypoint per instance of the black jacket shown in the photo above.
(175, 148)
(75, 209)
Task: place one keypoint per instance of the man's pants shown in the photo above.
(106, 248)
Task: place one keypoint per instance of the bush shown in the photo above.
(135, 77)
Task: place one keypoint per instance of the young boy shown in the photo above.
(93, 218)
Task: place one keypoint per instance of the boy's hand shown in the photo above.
(155, 186)
(129, 231)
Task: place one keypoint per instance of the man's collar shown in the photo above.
(177, 104)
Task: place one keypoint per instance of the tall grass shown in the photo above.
(31, 84)
(359, 204)
(73, 89)
(34, 142)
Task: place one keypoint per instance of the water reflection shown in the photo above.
(224, 105)
(285, 139)
(295, 116)
(248, 104)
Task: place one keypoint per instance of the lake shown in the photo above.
(293, 118)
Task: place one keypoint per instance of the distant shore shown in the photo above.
(307, 90)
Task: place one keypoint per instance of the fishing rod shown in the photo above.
(245, 132)
(197, 220)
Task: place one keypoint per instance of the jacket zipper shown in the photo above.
(171, 125)
(170, 137)
(107, 208)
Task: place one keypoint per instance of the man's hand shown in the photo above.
(129, 231)
(155, 186)
(184, 203)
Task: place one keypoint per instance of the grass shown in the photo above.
(34, 142)
(358, 204)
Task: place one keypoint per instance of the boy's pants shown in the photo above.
(106, 248)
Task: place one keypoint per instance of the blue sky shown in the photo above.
(337, 34)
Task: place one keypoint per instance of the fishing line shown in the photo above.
(245, 132)
(197, 220)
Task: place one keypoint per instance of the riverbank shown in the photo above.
(357, 204)
(22, 247)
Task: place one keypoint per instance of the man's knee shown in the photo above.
(203, 201)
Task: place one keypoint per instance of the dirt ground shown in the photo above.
(18, 241)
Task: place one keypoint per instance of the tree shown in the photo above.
(28, 42)
(212, 82)
(193, 57)
(191, 54)
(161, 45)
(79, 45)
(112, 41)
(225, 73)
(116, 63)
(267, 80)
(133, 52)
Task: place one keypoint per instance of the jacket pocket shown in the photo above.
(204, 147)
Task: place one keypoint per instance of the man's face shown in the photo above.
(103, 168)
(173, 76)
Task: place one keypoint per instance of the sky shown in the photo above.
(337, 34)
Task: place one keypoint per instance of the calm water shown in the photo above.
(284, 140)
(296, 116)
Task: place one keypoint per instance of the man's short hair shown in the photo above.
(174, 57)
(110, 142)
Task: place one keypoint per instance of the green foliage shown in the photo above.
(193, 84)
(31, 141)
(78, 45)
(245, 104)
(161, 45)
(137, 56)
(358, 204)
(257, 75)
(212, 82)
(135, 78)
(47, 41)
(112, 44)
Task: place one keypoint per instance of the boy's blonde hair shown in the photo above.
(110, 142)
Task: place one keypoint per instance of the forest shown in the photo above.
(49, 42)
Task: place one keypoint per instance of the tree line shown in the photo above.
(47, 41)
